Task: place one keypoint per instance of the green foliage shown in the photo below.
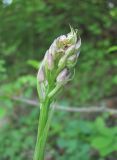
(70, 137)
(105, 139)
(16, 140)
(3, 75)
(2, 112)
(79, 137)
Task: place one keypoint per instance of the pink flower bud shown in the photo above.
(62, 41)
(62, 38)
(40, 75)
(63, 76)
(49, 61)
(54, 50)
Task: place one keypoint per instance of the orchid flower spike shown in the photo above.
(59, 61)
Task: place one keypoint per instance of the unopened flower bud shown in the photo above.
(63, 76)
(72, 37)
(71, 61)
(62, 61)
(53, 49)
(62, 38)
(49, 62)
(70, 50)
(40, 75)
(61, 41)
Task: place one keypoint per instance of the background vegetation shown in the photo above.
(27, 28)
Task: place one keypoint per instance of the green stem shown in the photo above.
(42, 130)
(44, 122)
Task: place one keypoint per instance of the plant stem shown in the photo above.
(42, 130)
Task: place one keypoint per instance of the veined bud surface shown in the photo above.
(49, 62)
(63, 76)
(62, 61)
(53, 49)
(61, 41)
(70, 50)
(72, 38)
(40, 75)
(71, 61)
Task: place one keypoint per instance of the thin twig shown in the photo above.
(69, 109)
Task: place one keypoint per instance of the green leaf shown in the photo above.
(115, 145)
(112, 49)
(114, 61)
(101, 127)
(105, 151)
(115, 79)
(2, 112)
(101, 142)
(35, 64)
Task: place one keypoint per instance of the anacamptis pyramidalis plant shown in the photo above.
(56, 69)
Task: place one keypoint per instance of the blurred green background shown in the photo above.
(27, 28)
